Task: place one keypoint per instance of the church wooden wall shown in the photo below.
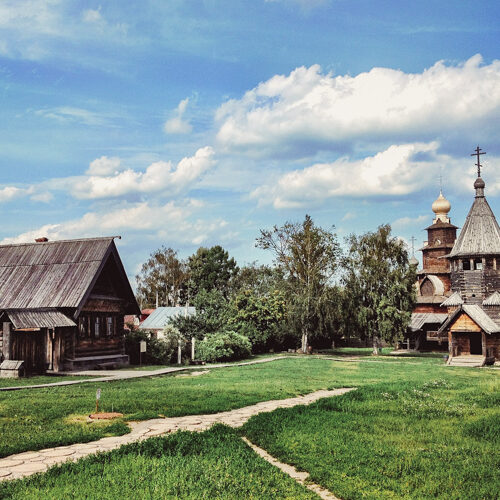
(464, 324)
(480, 283)
(432, 261)
(445, 234)
(492, 344)
(430, 308)
(459, 344)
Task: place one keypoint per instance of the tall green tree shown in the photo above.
(257, 315)
(309, 257)
(379, 284)
(162, 279)
(211, 269)
(257, 278)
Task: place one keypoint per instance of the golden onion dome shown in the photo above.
(441, 206)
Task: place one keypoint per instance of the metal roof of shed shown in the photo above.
(161, 316)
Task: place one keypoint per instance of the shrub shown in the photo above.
(224, 346)
(257, 338)
(159, 351)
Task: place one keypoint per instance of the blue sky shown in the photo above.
(187, 123)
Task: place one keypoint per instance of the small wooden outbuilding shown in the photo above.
(62, 304)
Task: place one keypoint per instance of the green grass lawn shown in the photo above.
(437, 437)
(42, 379)
(39, 418)
(213, 464)
(413, 429)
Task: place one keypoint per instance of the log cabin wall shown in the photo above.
(29, 346)
(82, 279)
(100, 329)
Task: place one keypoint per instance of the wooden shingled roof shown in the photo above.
(55, 274)
(480, 234)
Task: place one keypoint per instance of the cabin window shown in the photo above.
(83, 327)
(97, 327)
(478, 264)
(110, 326)
(466, 265)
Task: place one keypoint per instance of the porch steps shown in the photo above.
(470, 361)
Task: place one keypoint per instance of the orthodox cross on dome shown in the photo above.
(477, 153)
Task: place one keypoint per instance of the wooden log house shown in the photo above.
(62, 304)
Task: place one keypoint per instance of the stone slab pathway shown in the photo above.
(129, 374)
(27, 463)
(300, 477)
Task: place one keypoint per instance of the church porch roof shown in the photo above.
(477, 314)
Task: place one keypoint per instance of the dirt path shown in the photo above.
(27, 463)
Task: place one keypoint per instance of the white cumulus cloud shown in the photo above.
(161, 175)
(11, 192)
(171, 220)
(104, 166)
(178, 124)
(308, 111)
(404, 222)
(397, 171)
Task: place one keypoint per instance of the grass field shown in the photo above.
(436, 438)
(413, 429)
(40, 418)
(42, 379)
(214, 464)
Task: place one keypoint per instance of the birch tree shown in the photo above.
(379, 284)
(162, 280)
(309, 257)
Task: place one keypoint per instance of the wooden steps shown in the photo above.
(470, 361)
(96, 362)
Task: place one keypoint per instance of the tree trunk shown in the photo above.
(304, 343)
(375, 345)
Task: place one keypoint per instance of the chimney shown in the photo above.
(43, 239)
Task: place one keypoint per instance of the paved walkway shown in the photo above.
(129, 374)
(25, 464)
(299, 476)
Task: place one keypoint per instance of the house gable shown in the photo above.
(464, 323)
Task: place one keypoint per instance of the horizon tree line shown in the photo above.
(317, 292)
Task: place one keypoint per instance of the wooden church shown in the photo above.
(461, 279)
(62, 304)
(434, 281)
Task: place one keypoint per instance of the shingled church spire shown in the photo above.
(480, 236)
